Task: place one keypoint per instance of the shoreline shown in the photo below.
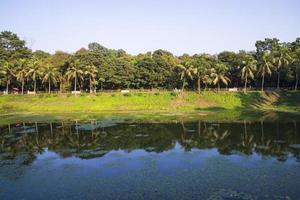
(208, 105)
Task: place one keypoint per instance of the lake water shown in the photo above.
(111, 159)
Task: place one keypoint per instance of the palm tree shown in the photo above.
(101, 80)
(219, 75)
(34, 71)
(187, 70)
(7, 71)
(50, 75)
(296, 66)
(203, 70)
(282, 60)
(265, 67)
(249, 66)
(75, 72)
(22, 71)
(91, 71)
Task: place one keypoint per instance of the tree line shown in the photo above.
(272, 64)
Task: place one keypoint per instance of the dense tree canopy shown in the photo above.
(274, 64)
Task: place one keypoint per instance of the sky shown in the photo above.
(138, 26)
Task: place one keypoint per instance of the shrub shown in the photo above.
(127, 95)
(173, 94)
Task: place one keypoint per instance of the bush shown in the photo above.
(127, 95)
(173, 94)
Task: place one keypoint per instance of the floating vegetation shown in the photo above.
(228, 194)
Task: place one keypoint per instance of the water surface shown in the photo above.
(111, 159)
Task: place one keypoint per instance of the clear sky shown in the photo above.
(137, 26)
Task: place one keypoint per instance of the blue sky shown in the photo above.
(137, 26)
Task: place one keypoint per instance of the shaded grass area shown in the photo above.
(151, 103)
(209, 116)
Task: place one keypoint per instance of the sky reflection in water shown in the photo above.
(111, 160)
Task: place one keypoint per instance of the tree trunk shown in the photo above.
(278, 80)
(218, 86)
(34, 86)
(22, 87)
(199, 85)
(7, 83)
(90, 85)
(49, 86)
(75, 83)
(296, 84)
(183, 85)
(61, 84)
(262, 82)
(245, 89)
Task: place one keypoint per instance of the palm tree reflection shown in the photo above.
(94, 139)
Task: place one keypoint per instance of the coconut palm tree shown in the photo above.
(265, 67)
(187, 71)
(22, 71)
(34, 71)
(101, 80)
(282, 60)
(296, 66)
(6, 69)
(75, 72)
(91, 71)
(248, 67)
(219, 75)
(50, 75)
(203, 66)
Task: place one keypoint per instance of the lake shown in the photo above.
(119, 159)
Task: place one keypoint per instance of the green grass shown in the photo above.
(163, 102)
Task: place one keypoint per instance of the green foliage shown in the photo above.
(173, 94)
(98, 68)
(12, 47)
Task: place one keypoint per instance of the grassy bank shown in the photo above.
(154, 107)
(165, 102)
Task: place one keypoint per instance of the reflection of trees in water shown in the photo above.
(95, 139)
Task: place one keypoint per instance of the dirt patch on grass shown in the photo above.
(179, 101)
(205, 103)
